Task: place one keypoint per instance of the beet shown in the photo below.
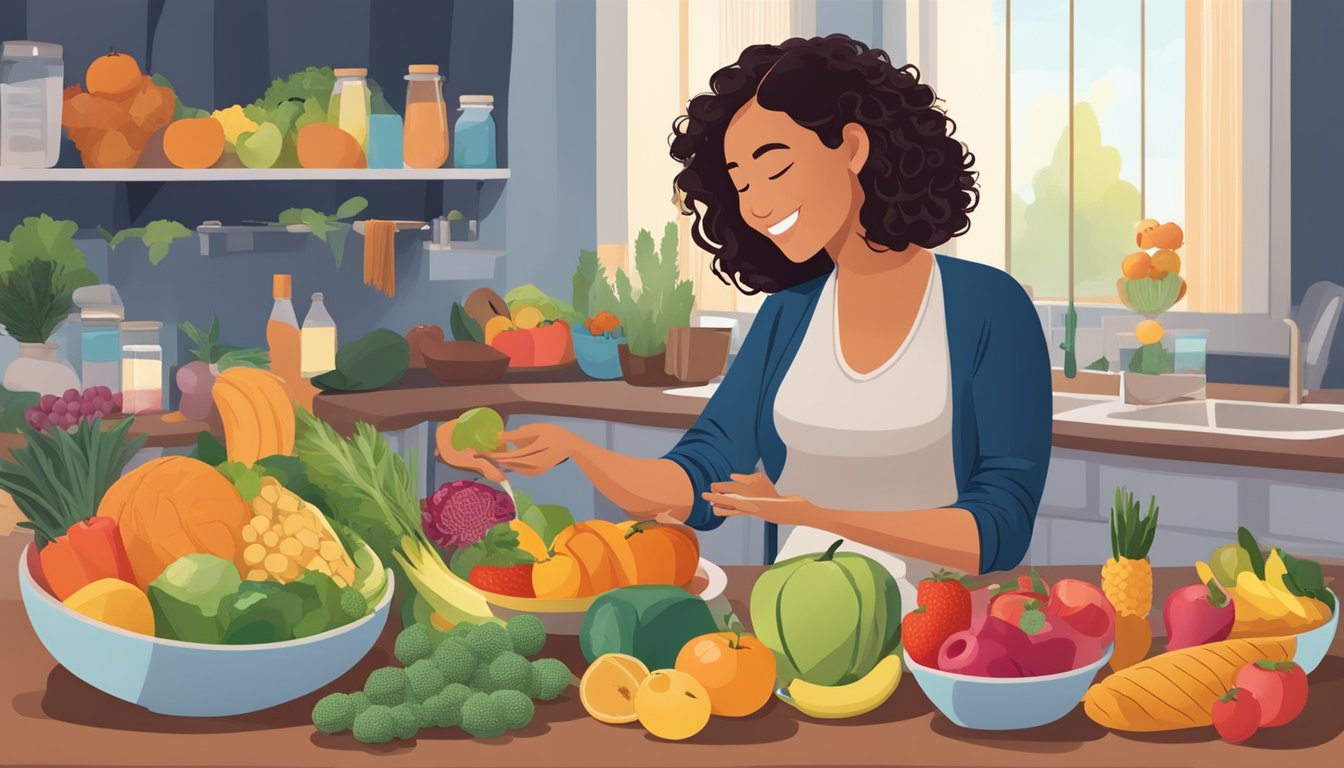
(1196, 615)
(459, 513)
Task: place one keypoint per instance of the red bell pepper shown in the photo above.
(91, 550)
(518, 345)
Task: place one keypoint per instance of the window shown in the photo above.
(1147, 111)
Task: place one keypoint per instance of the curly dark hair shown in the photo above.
(918, 184)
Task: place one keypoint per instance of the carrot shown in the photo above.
(62, 568)
(97, 543)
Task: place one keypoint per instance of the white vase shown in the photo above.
(39, 369)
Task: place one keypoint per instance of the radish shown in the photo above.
(1197, 614)
(196, 380)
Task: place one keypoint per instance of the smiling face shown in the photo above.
(791, 187)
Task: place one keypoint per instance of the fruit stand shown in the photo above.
(66, 722)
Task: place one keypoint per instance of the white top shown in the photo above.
(878, 441)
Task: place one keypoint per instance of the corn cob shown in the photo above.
(288, 536)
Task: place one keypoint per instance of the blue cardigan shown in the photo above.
(1001, 405)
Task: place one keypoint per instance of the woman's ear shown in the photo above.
(855, 143)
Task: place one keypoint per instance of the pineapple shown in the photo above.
(288, 536)
(1127, 577)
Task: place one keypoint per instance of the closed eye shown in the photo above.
(744, 189)
(781, 173)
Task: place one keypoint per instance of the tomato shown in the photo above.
(1009, 606)
(1236, 716)
(1279, 686)
(737, 671)
(518, 345)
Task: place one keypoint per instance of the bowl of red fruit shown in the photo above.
(1026, 658)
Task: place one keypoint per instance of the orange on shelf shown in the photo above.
(194, 142)
(113, 74)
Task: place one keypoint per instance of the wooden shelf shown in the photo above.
(251, 174)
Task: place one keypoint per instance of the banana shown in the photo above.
(242, 433)
(1275, 570)
(1205, 572)
(1255, 594)
(270, 389)
(857, 698)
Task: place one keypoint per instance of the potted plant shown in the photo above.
(40, 268)
(1151, 285)
(597, 331)
(664, 302)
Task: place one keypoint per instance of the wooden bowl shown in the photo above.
(464, 362)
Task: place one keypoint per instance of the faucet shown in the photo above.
(1294, 362)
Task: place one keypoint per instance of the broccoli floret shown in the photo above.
(353, 603)
(454, 660)
(488, 641)
(552, 678)
(527, 634)
(404, 721)
(375, 725)
(334, 713)
(423, 680)
(436, 712)
(511, 672)
(514, 707)
(481, 717)
(461, 629)
(386, 686)
(423, 717)
(359, 700)
(413, 644)
(481, 680)
(456, 694)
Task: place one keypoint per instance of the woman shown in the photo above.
(896, 399)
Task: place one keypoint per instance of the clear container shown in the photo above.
(425, 137)
(474, 133)
(318, 340)
(32, 75)
(143, 376)
(100, 345)
(350, 105)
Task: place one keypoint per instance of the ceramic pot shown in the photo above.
(697, 355)
(645, 371)
(39, 369)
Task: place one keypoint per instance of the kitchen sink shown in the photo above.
(1225, 417)
(1063, 403)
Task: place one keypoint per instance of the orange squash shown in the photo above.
(175, 506)
(195, 142)
(664, 554)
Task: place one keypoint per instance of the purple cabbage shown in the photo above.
(459, 513)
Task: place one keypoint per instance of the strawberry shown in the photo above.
(514, 580)
(944, 609)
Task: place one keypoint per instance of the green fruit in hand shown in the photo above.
(260, 148)
(1227, 561)
(478, 428)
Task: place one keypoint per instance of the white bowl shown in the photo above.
(195, 679)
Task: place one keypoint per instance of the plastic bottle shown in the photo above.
(318, 340)
(282, 335)
(425, 143)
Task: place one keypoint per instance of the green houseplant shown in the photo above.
(40, 268)
(664, 302)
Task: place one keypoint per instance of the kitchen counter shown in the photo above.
(48, 717)
(419, 398)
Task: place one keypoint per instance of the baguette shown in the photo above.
(1177, 689)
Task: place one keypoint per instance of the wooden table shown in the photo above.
(48, 717)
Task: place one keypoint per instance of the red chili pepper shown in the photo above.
(62, 568)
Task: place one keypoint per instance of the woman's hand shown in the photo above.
(755, 496)
(469, 459)
(537, 448)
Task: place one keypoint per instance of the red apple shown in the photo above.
(1010, 605)
(1083, 607)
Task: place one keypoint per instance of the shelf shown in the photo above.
(251, 174)
(453, 263)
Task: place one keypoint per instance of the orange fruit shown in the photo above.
(1136, 265)
(737, 671)
(323, 145)
(672, 705)
(1156, 274)
(495, 326)
(594, 558)
(619, 552)
(1166, 260)
(113, 74)
(528, 540)
(560, 577)
(1168, 236)
(196, 142)
(609, 686)
(1148, 332)
(1143, 232)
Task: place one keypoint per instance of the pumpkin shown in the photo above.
(829, 618)
(175, 506)
(664, 554)
(601, 550)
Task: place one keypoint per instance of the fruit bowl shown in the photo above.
(194, 679)
(1005, 703)
(1313, 645)
(565, 617)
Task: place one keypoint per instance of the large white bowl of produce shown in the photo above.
(194, 679)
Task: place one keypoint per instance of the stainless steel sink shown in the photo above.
(1225, 417)
(1063, 403)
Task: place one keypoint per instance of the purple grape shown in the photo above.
(36, 419)
(69, 420)
(47, 401)
(58, 407)
(105, 407)
(71, 396)
(105, 392)
(86, 409)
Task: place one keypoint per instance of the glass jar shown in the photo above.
(350, 104)
(474, 133)
(143, 377)
(425, 137)
(32, 75)
(100, 347)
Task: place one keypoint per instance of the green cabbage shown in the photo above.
(186, 597)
